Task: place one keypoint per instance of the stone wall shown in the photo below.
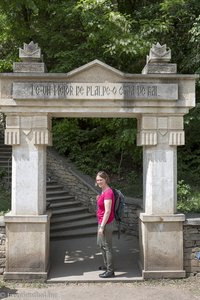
(191, 235)
(2, 245)
(83, 187)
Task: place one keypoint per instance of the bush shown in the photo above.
(188, 199)
(5, 195)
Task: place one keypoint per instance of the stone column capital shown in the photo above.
(160, 129)
(36, 129)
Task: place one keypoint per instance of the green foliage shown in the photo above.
(5, 197)
(188, 200)
(96, 144)
(189, 155)
(183, 191)
(80, 32)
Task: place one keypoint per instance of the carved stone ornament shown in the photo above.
(159, 54)
(31, 52)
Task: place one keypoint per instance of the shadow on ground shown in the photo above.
(79, 259)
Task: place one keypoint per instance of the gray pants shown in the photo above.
(104, 241)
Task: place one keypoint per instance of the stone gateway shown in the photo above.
(159, 98)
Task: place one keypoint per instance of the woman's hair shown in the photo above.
(104, 175)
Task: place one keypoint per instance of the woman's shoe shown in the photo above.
(102, 268)
(107, 274)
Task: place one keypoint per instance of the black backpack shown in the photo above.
(119, 208)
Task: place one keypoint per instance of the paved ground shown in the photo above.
(74, 276)
(77, 260)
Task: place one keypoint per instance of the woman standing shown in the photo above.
(105, 215)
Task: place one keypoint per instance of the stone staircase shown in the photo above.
(70, 219)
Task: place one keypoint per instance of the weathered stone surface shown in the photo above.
(158, 256)
(2, 239)
(2, 262)
(159, 53)
(30, 52)
(2, 254)
(65, 90)
(27, 67)
(191, 246)
(159, 68)
(27, 249)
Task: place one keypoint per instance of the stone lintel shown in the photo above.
(161, 218)
(163, 274)
(127, 77)
(87, 91)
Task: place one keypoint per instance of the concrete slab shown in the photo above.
(77, 260)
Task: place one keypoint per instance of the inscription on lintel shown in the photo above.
(67, 90)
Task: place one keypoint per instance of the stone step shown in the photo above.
(8, 148)
(68, 211)
(74, 224)
(74, 233)
(59, 198)
(5, 163)
(71, 218)
(5, 154)
(56, 192)
(63, 205)
(51, 187)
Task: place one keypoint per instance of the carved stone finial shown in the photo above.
(159, 54)
(31, 52)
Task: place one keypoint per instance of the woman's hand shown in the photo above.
(101, 229)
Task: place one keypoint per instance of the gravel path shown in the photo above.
(185, 289)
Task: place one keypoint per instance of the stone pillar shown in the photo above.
(28, 223)
(161, 229)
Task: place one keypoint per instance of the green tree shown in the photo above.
(96, 144)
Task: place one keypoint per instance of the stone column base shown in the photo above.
(27, 247)
(161, 246)
(25, 276)
(163, 274)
